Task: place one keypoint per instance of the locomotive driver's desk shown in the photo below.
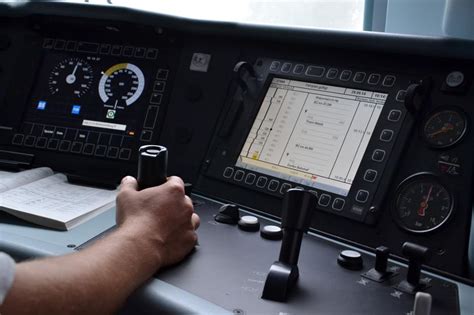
(378, 126)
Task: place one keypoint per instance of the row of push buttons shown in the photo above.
(333, 73)
(72, 146)
(272, 185)
(325, 201)
(74, 140)
(103, 49)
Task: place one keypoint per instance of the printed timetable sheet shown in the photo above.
(312, 134)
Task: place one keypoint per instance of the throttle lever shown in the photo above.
(152, 166)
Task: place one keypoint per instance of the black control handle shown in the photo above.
(152, 166)
(298, 206)
(416, 255)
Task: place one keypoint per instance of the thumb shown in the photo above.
(129, 183)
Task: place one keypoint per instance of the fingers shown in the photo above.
(195, 220)
(175, 180)
(129, 183)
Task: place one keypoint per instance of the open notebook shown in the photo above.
(42, 197)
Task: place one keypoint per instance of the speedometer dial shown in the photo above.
(122, 84)
(71, 77)
(422, 204)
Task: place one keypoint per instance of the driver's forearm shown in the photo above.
(82, 283)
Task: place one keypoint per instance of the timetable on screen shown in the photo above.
(312, 134)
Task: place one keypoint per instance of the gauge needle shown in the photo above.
(71, 78)
(445, 128)
(424, 203)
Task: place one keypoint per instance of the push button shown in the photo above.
(359, 77)
(362, 196)
(314, 71)
(401, 96)
(76, 147)
(299, 68)
(386, 135)
(112, 152)
(100, 150)
(250, 178)
(262, 181)
(228, 172)
(284, 188)
(370, 175)
(65, 145)
(332, 73)
(378, 155)
(345, 75)
(394, 115)
(374, 79)
(286, 67)
(18, 139)
(454, 79)
(273, 185)
(125, 154)
(324, 200)
(389, 80)
(275, 66)
(53, 144)
(30, 141)
(239, 175)
(88, 149)
(41, 142)
(338, 204)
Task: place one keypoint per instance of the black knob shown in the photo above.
(416, 255)
(152, 166)
(381, 259)
(228, 214)
(350, 259)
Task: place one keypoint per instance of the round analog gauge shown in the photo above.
(122, 84)
(444, 128)
(71, 77)
(422, 204)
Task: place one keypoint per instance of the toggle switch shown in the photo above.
(228, 214)
(380, 273)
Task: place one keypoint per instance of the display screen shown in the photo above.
(105, 94)
(312, 134)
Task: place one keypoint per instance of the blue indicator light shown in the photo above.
(76, 109)
(41, 105)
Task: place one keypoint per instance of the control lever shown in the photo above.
(152, 166)
(298, 206)
(242, 71)
(416, 255)
(380, 273)
(417, 95)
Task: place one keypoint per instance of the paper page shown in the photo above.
(53, 197)
(12, 180)
(4, 174)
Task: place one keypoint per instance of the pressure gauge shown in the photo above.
(422, 204)
(445, 128)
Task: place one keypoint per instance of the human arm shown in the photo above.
(156, 228)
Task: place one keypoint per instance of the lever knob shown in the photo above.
(416, 255)
(381, 259)
(298, 206)
(152, 166)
